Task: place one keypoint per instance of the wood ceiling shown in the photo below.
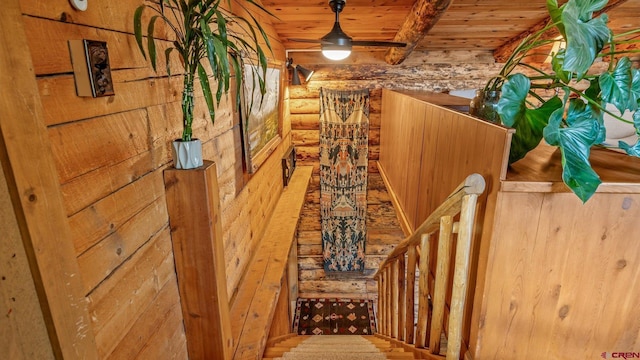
(483, 25)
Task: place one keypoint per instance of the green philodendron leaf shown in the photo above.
(615, 86)
(585, 36)
(593, 91)
(630, 150)
(557, 62)
(574, 137)
(528, 123)
(206, 91)
(530, 127)
(137, 28)
(555, 13)
(634, 94)
(511, 105)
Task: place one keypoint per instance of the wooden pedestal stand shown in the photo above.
(196, 233)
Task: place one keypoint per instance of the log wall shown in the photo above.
(422, 71)
(110, 153)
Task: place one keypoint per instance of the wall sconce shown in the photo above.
(297, 71)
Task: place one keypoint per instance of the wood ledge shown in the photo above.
(254, 307)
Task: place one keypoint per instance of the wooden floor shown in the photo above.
(383, 233)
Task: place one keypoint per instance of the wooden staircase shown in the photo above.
(335, 347)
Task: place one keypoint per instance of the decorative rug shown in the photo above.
(344, 158)
(334, 317)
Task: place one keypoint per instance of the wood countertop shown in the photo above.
(436, 98)
(541, 171)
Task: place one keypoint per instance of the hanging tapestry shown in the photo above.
(344, 140)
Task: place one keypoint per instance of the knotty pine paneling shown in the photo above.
(110, 153)
(587, 299)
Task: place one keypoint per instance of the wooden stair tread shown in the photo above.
(329, 347)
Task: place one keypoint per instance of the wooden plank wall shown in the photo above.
(562, 280)
(23, 334)
(441, 148)
(422, 71)
(110, 153)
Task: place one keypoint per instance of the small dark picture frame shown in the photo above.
(92, 72)
(288, 164)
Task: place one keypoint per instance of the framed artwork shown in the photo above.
(260, 120)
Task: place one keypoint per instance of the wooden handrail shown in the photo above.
(473, 184)
(397, 301)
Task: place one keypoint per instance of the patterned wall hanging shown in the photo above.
(344, 146)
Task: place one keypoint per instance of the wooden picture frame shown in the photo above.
(261, 121)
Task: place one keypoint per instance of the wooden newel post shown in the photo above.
(196, 233)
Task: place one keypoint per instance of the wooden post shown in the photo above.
(411, 293)
(423, 293)
(460, 275)
(394, 299)
(442, 277)
(402, 300)
(292, 276)
(382, 302)
(389, 300)
(32, 182)
(196, 233)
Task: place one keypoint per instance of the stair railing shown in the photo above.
(397, 275)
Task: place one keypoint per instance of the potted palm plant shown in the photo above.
(572, 120)
(205, 32)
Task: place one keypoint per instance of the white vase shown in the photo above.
(187, 154)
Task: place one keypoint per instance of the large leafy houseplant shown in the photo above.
(572, 120)
(206, 32)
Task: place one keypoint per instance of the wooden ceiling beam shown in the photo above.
(502, 53)
(424, 14)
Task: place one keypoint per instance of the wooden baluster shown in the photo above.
(377, 306)
(460, 275)
(402, 298)
(382, 306)
(388, 297)
(411, 294)
(442, 277)
(423, 291)
(394, 299)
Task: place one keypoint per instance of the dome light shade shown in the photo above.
(336, 54)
